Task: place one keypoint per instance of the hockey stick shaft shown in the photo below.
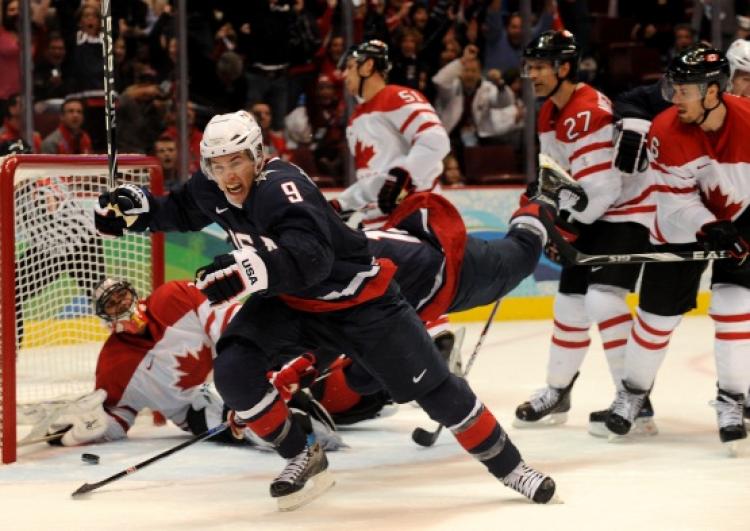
(431, 437)
(109, 92)
(577, 257)
(88, 487)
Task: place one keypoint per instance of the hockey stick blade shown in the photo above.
(426, 438)
(88, 487)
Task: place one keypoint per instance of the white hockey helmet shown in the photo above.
(232, 133)
(738, 56)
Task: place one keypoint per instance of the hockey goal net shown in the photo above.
(50, 262)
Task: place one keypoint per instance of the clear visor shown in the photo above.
(681, 92)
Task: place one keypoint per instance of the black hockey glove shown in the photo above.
(395, 188)
(630, 145)
(129, 202)
(232, 276)
(108, 223)
(722, 235)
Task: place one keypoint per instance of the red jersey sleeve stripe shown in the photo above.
(411, 118)
(592, 169)
(589, 148)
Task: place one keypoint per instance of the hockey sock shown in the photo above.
(607, 307)
(454, 405)
(730, 310)
(270, 420)
(570, 339)
(647, 346)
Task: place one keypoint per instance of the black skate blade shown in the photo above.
(315, 487)
(548, 421)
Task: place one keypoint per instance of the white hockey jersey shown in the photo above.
(703, 176)
(579, 137)
(164, 369)
(396, 128)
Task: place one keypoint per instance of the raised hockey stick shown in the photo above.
(88, 487)
(427, 438)
(109, 92)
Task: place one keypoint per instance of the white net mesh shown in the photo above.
(59, 262)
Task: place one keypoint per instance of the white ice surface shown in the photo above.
(679, 480)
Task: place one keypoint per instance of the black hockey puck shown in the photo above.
(91, 459)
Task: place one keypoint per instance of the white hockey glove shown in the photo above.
(630, 145)
(83, 421)
(127, 206)
(231, 276)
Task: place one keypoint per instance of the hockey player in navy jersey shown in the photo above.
(395, 136)
(310, 280)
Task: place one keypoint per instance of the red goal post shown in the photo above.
(50, 260)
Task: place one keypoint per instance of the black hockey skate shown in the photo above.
(304, 478)
(644, 421)
(557, 188)
(531, 483)
(626, 406)
(548, 406)
(729, 412)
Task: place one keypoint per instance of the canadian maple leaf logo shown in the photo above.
(719, 203)
(195, 368)
(362, 155)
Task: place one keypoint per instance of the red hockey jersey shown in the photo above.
(703, 176)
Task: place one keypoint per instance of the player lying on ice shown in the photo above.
(311, 281)
(160, 356)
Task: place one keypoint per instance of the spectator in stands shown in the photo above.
(321, 125)
(165, 149)
(407, 67)
(503, 41)
(10, 55)
(69, 138)
(684, 37)
(274, 142)
(452, 175)
(11, 128)
(328, 60)
(195, 134)
(472, 108)
(50, 78)
(87, 67)
(141, 112)
(451, 50)
(743, 27)
(222, 87)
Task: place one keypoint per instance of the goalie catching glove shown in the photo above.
(232, 276)
(126, 207)
(82, 422)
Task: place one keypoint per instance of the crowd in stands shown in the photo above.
(278, 59)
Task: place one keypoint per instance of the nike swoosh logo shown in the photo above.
(703, 166)
(221, 210)
(597, 268)
(417, 379)
(150, 363)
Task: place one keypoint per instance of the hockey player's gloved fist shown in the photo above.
(570, 234)
(722, 235)
(82, 421)
(630, 145)
(396, 186)
(131, 202)
(295, 375)
(106, 219)
(232, 276)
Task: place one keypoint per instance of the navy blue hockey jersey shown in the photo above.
(314, 260)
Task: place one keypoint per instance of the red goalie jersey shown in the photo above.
(704, 176)
(165, 368)
(579, 138)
